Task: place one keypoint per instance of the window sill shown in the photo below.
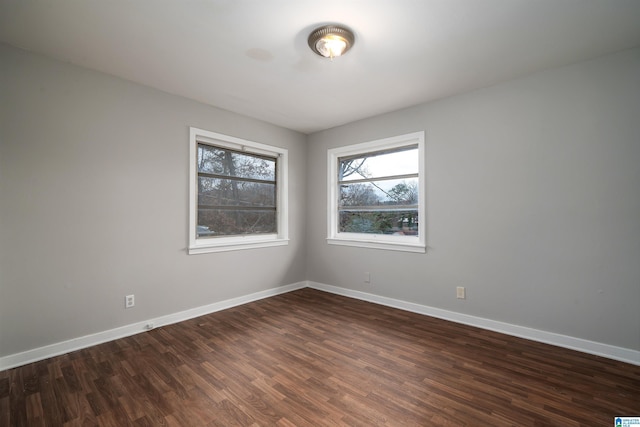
(374, 243)
(237, 244)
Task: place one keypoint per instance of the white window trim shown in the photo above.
(376, 241)
(232, 243)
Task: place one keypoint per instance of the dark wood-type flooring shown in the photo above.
(309, 358)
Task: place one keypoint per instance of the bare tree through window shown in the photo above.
(237, 192)
(376, 199)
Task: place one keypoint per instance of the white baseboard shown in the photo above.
(41, 353)
(585, 346)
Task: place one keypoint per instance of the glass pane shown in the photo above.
(217, 222)
(220, 161)
(392, 192)
(229, 192)
(377, 165)
(403, 222)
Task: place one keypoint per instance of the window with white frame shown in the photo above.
(237, 195)
(376, 194)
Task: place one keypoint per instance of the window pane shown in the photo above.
(404, 222)
(379, 164)
(221, 222)
(221, 161)
(387, 193)
(229, 192)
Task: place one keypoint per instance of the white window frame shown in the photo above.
(376, 241)
(232, 243)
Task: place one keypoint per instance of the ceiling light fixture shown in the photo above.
(331, 41)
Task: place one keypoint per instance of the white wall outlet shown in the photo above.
(129, 301)
(460, 292)
(367, 277)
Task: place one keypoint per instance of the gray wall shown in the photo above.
(94, 205)
(533, 204)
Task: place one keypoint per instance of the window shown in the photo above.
(238, 193)
(375, 194)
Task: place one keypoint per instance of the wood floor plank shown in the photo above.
(17, 398)
(309, 358)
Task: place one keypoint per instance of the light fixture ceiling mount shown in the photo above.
(330, 41)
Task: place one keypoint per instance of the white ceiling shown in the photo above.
(251, 56)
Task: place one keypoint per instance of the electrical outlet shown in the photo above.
(367, 277)
(129, 301)
(460, 292)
